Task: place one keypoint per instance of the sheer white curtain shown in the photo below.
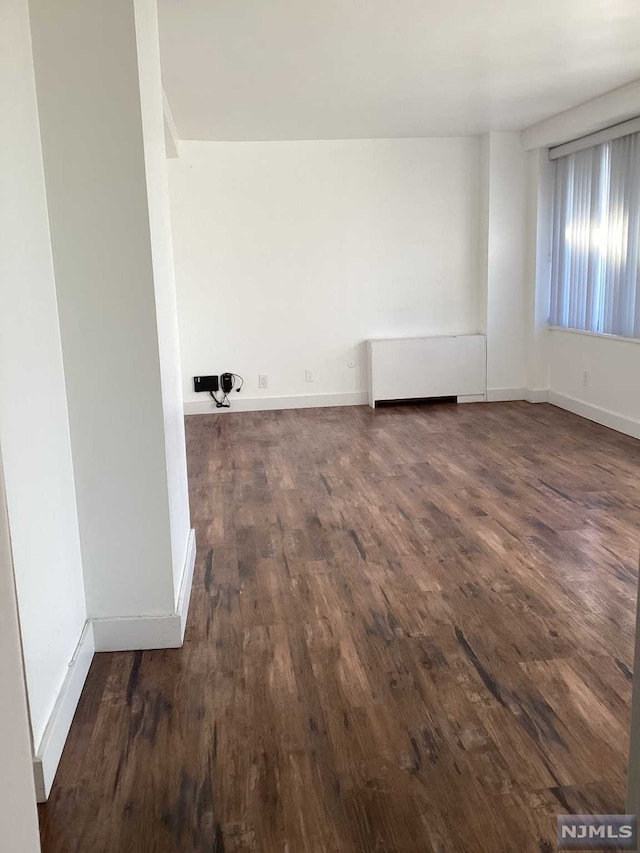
(595, 282)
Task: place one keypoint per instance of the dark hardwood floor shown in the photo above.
(410, 630)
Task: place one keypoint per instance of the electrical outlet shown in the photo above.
(585, 378)
(308, 376)
(263, 381)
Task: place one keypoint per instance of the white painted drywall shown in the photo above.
(558, 358)
(290, 254)
(171, 135)
(90, 116)
(611, 108)
(153, 129)
(613, 365)
(418, 68)
(18, 816)
(538, 260)
(34, 426)
(506, 222)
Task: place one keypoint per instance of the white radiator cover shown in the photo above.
(414, 368)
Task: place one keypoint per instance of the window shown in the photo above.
(595, 272)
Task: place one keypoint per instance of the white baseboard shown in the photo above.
(130, 633)
(531, 395)
(108, 635)
(47, 757)
(537, 395)
(471, 398)
(347, 398)
(157, 631)
(264, 404)
(503, 395)
(184, 596)
(628, 426)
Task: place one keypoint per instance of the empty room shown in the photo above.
(319, 426)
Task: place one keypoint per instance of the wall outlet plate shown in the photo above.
(263, 381)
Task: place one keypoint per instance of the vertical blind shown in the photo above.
(595, 267)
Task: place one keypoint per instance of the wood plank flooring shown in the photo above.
(410, 630)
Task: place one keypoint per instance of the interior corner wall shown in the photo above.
(610, 395)
(151, 98)
(507, 284)
(483, 218)
(289, 255)
(88, 90)
(34, 426)
(540, 198)
(560, 358)
(18, 815)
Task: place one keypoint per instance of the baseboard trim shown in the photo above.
(47, 757)
(628, 426)
(266, 404)
(131, 633)
(156, 631)
(471, 398)
(537, 395)
(531, 395)
(350, 398)
(504, 395)
(108, 635)
(184, 596)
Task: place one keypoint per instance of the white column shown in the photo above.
(34, 425)
(100, 104)
(155, 155)
(541, 213)
(505, 217)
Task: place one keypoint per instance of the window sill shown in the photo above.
(600, 335)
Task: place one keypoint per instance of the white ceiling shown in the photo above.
(293, 69)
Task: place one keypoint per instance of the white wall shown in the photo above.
(507, 286)
(612, 396)
(18, 816)
(34, 427)
(538, 253)
(608, 109)
(560, 357)
(290, 254)
(92, 138)
(153, 129)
